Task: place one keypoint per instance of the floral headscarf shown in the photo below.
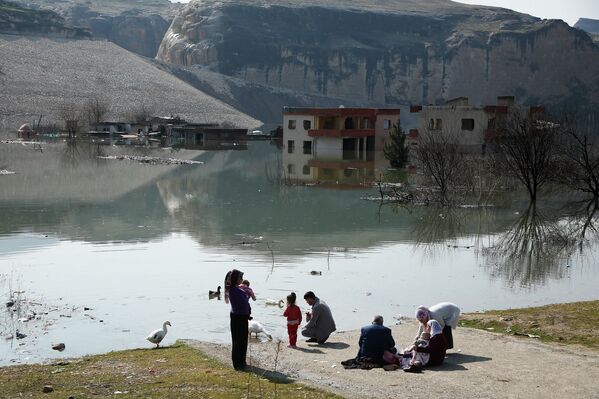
(423, 314)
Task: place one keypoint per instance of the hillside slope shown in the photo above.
(387, 51)
(39, 75)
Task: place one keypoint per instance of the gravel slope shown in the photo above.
(482, 365)
(38, 75)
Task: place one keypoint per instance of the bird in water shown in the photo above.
(272, 302)
(157, 336)
(214, 294)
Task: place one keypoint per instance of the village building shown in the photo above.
(471, 126)
(207, 136)
(334, 144)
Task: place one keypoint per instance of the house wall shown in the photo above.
(295, 165)
(451, 118)
(381, 135)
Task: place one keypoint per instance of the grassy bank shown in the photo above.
(172, 372)
(569, 323)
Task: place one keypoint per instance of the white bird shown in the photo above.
(157, 336)
(254, 327)
(272, 302)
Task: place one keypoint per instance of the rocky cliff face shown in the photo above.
(136, 25)
(15, 19)
(387, 51)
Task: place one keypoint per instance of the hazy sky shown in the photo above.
(568, 10)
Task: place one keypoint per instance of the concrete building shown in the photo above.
(205, 136)
(335, 144)
(471, 125)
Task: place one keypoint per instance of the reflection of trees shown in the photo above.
(534, 248)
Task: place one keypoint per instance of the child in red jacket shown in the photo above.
(294, 318)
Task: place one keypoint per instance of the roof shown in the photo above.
(340, 111)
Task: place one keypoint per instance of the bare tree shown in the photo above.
(96, 109)
(141, 113)
(580, 154)
(525, 148)
(441, 159)
(71, 116)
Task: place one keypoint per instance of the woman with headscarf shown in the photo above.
(437, 345)
(446, 313)
(240, 314)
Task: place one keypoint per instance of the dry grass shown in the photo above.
(569, 323)
(172, 372)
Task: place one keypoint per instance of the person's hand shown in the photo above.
(308, 316)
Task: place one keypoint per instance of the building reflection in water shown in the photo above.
(341, 146)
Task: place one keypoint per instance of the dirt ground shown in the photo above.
(482, 365)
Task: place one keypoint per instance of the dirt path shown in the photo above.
(482, 365)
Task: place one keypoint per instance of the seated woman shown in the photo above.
(435, 349)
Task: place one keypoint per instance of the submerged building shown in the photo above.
(471, 126)
(335, 144)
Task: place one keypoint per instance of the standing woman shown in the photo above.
(240, 314)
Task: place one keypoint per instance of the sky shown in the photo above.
(568, 10)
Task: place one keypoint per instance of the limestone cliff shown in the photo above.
(387, 51)
(136, 25)
(15, 19)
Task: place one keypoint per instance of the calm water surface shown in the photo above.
(140, 244)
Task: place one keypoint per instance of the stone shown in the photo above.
(48, 389)
(59, 347)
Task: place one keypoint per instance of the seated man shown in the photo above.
(320, 320)
(375, 340)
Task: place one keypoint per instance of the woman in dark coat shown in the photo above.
(240, 314)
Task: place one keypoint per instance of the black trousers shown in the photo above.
(239, 336)
(448, 336)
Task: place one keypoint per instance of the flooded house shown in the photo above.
(206, 136)
(471, 125)
(340, 145)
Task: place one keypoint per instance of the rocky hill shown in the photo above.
(39, 76)
(136, 25)
(591, 26)
(15, 19)
(387, 51)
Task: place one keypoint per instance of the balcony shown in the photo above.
(339, 133)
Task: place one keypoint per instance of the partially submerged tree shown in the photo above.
(70, 114)
(96, 109)
(441, 159)
(525, 147)
(396, 151)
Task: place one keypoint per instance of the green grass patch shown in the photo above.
(568, 323)
(178, 371)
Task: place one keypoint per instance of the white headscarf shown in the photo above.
(435, 327)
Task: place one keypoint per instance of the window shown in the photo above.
(291, 124)
(306, 170)
(307, 147)
(386, 124)
(468, 124)
(290, 146)
(307, 125)
(349, 123)
(327, 172)
(291, 169)
(435, 124)
(328, 123)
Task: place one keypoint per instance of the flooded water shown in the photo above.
(105, 250)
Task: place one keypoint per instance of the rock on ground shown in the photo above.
(482, 365)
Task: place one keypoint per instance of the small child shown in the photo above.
(294, 318)
(420, 358)
(245, 287)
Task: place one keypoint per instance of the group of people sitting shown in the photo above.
(376, 343)
(434, 338)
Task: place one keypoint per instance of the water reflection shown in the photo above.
(535, 247)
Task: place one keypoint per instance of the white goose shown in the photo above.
(254, 327)
(157, 336)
